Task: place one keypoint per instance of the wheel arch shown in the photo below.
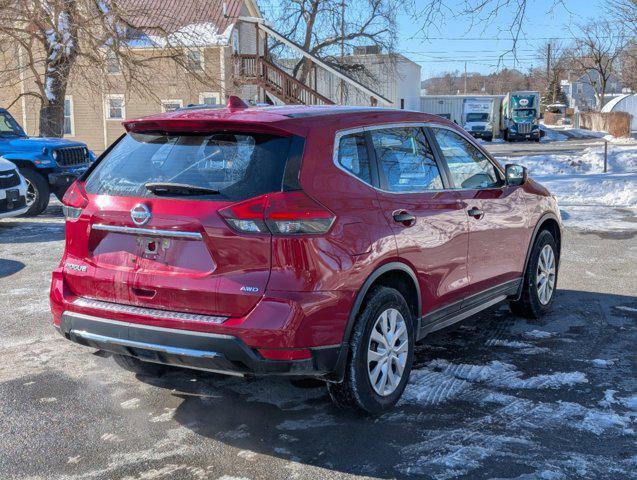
(549, 222)
(396, 275)
(21, 162)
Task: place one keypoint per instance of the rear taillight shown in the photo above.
(281, 213)
(74, 200)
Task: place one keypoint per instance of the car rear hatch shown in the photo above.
(156, 237)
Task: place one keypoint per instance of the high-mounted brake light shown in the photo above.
(281, 213)
(74, 200)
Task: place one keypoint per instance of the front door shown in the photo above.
(498, 233)
(429, 223)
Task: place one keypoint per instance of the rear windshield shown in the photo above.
(237, 165)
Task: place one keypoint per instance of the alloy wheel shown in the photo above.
(387, 352)
(31, 193)
(545, 278)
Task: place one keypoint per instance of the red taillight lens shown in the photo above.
(247, 216)
(281, 213)
(74, 200)
(293, 213)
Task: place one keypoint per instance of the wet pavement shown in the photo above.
(496, 397)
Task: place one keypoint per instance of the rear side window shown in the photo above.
(237, 165)
(469, 168)
(352, 156)
(406, 160)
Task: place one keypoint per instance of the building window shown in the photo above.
(115, 107)
(171, 105)
(69, 121)
(112, 64)
(194, 59)
(209, 98)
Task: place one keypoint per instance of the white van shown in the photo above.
(477, 117)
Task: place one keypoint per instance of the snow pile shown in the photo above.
(551, 135)
(578, 179)
(195, 35)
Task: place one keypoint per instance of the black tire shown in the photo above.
(40, 188)
(135, 365)
(356, 391)
(529, 304)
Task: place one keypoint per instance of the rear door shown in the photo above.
(428, 221)
(496, 213)
(157, 241)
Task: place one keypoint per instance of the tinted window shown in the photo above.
(238, 165)
(8, 125)
(468, 166)
(352, 156)
(406, 160)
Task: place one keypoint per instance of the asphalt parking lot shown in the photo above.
(497, 397)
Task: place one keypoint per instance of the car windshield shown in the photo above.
(525, 113)
(477, 117)
(232, 166)
(9, 127)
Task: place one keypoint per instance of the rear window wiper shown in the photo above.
(169, 188)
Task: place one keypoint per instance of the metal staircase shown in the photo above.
(259, 69)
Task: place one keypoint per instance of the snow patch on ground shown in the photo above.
(538, 334)
(600, 362)
(505, 375)
(497, 342)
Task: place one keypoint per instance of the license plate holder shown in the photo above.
(13, 196)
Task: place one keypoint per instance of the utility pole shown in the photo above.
(465, 78)
(342, 48)
(548, 60)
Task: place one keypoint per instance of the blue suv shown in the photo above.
(49, 165)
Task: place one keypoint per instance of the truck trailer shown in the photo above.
(455, 108)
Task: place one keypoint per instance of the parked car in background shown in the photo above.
(13, 190)
(49, 165)
(299, 241)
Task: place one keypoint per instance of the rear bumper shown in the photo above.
(219, 353)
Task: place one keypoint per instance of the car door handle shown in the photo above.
(404, 217)
(475, 213)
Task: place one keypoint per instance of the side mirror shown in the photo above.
(515, 174)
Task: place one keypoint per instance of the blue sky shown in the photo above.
(453, 43)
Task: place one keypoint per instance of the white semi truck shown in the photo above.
(477, 117)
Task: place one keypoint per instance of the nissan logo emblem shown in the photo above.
(140, 214)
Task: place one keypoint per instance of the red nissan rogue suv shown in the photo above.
(299, 241)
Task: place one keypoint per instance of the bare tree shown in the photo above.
(595, 54)
(626, 12)
(432, 14)
(628, 66)
(320, 27)
(46, 43)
